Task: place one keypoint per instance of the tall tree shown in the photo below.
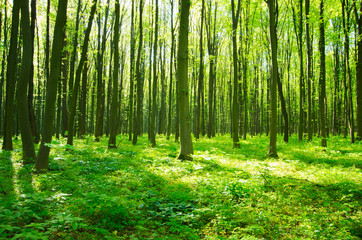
(169, 122)
(154, 84)
(100, 83)
(42, 160)
(235, 108)
(358, 15)
(346, 13)
(74, 95)
(309, 71)
(131, 78)
(322, 75)
(137, 126)
(23, 111)
(34, 130)
(273, 8)
(11, 78)
(200, 90)
(186, 149)
(114, 119)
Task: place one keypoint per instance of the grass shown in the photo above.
(139, 192)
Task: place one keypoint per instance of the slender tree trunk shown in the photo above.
(114, 119)
(100, 82)
(34, 130)
(301, 75)
(154, 85)
(359, 72)
(64, 77)
(131, 78)
(273, 86)
(43, 156)
(309, 71)
(170, 102)
(74, 95)
(2, 76)
(11, 75)
(284, 110)
(322, 76)
(23, 110)
(186, 148)
(201, 74)
(137, 120)
(348, 85)
(235, 114)
(83, 102)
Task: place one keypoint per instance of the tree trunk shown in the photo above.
(284, 110)
(114, 119)
(100, 83)
(154, 85)
(74, 94)
(83, 102)
(359, 72)
(11, 75)
(186, 149)
(201, 74)
(322, 76)
(34, 130)
(169, 122)
(309, 71)
(131, 78)
(235, 114)
(43, 156)
(23, 111)
(137, 120)
(274, 79)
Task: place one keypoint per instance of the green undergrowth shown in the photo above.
(139, 192)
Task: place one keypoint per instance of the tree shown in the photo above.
(186, 148)
(309, 70)
(23, 111)
(74, 94)
(100, 83)
(201, 74)
(235, 108)
(154, 84)
(114, 119)
(137, 128)
(358, 16)
(274, 78)
(169, 122)
(131, 78)
(322, 75)
(11, 78)
(42, 160)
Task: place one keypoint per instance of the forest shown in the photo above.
(181, 119)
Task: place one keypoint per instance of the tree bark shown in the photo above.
(186, 147)
(154, 84)
(114, 119)
(322, 76)
(42, 160)
(22, 98)
(359, 72)
(137, 128)
(74, 94)
(274, 79)
(11, 75)
(235, 113)
(201, 74)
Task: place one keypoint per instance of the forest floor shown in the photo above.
(139, 192)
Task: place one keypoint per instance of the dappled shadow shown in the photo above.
(6, 175)
(325, 158)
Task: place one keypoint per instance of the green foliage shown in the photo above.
(138, 192)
